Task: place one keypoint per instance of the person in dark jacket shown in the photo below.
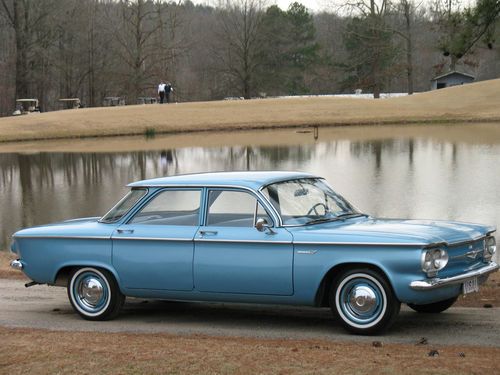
(168, 90)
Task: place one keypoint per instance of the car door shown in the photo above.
(154, 249)
(232, 256)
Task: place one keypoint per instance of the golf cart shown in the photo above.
(113, 101)
(26, 106)
(71, 103)
(146, 100)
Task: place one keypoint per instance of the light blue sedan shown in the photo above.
(256, 237)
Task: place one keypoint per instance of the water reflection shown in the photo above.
(410, 175)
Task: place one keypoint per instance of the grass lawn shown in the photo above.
(477, 102)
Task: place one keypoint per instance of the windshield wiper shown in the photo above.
(321, 220)
(350, 214)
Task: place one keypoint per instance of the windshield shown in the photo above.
(307, 201)
(123, 206)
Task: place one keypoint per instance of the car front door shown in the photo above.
(154, 249)
(232, 256)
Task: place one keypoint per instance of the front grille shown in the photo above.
(464, 257)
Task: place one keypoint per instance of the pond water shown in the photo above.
(448, 172)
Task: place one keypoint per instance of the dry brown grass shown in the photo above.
(474, 102)
(5, 270)
(27, 351)
(488, 296)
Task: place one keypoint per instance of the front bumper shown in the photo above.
(438, 283)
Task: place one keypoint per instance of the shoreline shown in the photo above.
(151, 134)
(487, 133)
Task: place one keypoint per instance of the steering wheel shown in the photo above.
(315, 209)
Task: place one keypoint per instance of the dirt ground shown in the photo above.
(37, 351)
(477, 102)
(27, 351)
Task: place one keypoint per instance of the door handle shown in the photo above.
(128, 231)
(207, 232)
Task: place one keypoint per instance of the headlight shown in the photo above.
(434, 260)
(490, 248)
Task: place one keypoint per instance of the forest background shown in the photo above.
(91, 49)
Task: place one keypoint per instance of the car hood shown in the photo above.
(390, 231)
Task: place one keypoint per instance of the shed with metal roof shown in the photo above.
(449, 79)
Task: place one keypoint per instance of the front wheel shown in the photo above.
(94, 294)
(364, 301)
(434, 308)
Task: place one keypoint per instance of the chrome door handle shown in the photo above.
(208, 232)
(128, 231)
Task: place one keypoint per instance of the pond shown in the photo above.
(448, 172)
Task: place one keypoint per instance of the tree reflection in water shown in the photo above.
(399, 177)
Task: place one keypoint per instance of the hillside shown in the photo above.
(476, 102)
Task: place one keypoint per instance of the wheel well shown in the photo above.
(62, 276)
(64, 273)
(324, 288)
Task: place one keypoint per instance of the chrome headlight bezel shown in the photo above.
(490, 248)
(433, 260)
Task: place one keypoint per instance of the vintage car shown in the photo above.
(256, 237)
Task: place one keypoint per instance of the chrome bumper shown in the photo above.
(437, 283)
(16, 264)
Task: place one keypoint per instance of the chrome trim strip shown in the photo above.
(241, 241)
(152, 239)
(465, 242)
(256, 193)
(16, 264)
(361, 243)
(69, 237)
(438, 283)
(268, 202)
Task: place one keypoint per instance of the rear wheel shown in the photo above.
(364, 301)
(94, 293)
(434, 308)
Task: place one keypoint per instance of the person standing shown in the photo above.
(168, 90)
(161, 91)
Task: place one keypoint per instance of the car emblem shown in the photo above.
(312, 252)
(473, 254)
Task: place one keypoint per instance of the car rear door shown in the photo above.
(154, 249)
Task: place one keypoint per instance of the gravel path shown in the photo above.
(48, 308)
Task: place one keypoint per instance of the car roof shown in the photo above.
(248, 179)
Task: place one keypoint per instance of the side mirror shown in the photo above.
(262, 225)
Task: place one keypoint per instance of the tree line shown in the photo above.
(92, 49)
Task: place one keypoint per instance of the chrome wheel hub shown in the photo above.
(90, 291)
(362, 300)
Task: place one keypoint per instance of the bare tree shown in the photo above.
(369, 41)
(27, 20)
(134, 30)
(407, 9)
(237, 49)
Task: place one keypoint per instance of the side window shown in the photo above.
(171, 207)
(233, 209)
